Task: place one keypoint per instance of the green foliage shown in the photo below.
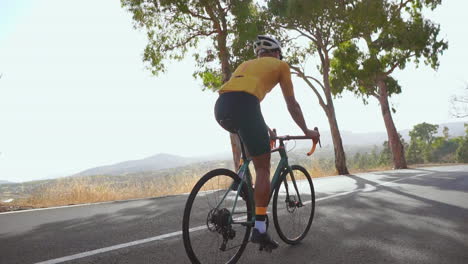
(426, 147)
(317, 21)
(375, 158)
(444, 149)
(385, 35)
(414, 153)
(420, 149)
(216, 32)
(211, 79)
(424, 132)
(462, 151)
(385, 155)
(446, 133)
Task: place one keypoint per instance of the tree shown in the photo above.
(422, 136)
(445, 132)
(460, 104)
(415, 152)
(462, 152)
(387, 35)
(374, 157)
(318, 23)
(444, 149)
(175, 27)
(424, 132)
(385, 154)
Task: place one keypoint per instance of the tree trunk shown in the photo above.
(226, 72)
(340, 158)
(236, 150)
(396, 147)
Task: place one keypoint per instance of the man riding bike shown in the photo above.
(238, 111)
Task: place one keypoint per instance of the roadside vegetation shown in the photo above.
(424, 148)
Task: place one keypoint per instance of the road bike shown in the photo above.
(220, 210)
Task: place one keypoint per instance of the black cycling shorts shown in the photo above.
(239, 112)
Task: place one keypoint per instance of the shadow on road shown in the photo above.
(99, 226)
(384, 224)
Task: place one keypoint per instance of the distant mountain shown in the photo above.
(153, 163)
(5, 182)
(168, 161)
(456, 129)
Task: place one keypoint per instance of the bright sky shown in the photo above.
(74, 93)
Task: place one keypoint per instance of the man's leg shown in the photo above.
(262, 195)
(262, 189)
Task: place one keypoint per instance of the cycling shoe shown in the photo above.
(265, 241)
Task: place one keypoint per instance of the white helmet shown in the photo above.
(266, 43)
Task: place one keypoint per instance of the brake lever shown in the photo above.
(315, 144)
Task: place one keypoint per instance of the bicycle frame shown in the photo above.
(246, 178)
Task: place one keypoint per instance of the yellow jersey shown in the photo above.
(259, 76)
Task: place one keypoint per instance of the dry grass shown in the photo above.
(69, 191)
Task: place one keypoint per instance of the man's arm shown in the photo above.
(296, 113)
(295, 109)
(288, 93)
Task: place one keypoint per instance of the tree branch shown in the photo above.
(198, 15)
(403, 4)
(300, 74)
(213, 18)
(373, 93)
(222, 17)
(316, 80)
(301, 33)
(394, 66)
(190, 39)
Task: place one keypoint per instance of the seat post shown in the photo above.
(244, 156)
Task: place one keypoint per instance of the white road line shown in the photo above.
(124, 245)
(178, 233)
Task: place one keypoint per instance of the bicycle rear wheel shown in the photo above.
(209, 233)
(293, 216)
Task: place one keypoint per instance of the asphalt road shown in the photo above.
(403, 216)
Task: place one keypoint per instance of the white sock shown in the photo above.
(260, 226)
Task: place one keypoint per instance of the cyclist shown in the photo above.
(238, 111)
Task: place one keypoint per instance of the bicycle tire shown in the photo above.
(279, 225)
(188, 237)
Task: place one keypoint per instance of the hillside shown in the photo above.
(153, 163)
(5, 182)
(117, 182)
(350, 138)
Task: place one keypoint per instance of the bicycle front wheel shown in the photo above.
(212, 232)
(294, 205)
